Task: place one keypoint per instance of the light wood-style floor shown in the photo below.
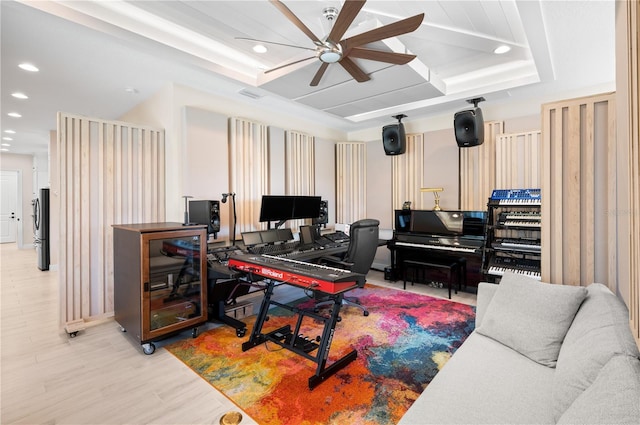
(100, 376)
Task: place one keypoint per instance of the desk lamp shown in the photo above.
(436, 195)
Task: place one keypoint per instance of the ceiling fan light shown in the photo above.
(330, 56)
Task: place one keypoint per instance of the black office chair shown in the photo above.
(363, 243)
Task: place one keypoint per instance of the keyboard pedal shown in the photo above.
(302, 342)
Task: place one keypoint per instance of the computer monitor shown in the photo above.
(306, 207)
(276, 208)
(288, 207)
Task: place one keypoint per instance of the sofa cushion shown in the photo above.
(486, 291)
(599, 331)
(613, 398)
(531, 317)
(485, 382)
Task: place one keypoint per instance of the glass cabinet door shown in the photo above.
(174, 281)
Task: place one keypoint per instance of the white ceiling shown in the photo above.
(88, 52)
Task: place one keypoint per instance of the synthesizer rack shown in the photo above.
(332, 283)
(513, 233)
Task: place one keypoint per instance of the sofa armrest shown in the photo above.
(485, 294)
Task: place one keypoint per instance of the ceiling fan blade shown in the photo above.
(288, 64)
(377, 55)
(297, 22)
(273, 42)
(391, 30)
(319, 74)
(349, 11)
(353, 69)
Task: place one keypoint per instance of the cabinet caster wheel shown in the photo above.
(366, 313)
(194, 333)
(122, 329)
(73, 334)
(149, 348)
(241, 332)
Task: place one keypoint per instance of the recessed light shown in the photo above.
(259, 48)
(4, 150)
(131, 90)
(14, 115)
(501, 49)
(10, 131)
(6, 144)
(7, 138)
(19, 95)
(29, 67)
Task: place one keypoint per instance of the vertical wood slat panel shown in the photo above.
(300, 168)
(628, 157)
(351, 175)
(92, 166)
(517, 161)
(248, 144)
(408, 174)
(478, 168)
(569, 199)
(587, 202)
(571, 188)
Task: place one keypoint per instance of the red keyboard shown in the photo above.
(311, 276)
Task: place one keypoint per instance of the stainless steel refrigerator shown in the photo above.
(41, 228)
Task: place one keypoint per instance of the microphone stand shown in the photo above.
(233, 204)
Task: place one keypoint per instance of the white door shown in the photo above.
(8, 206)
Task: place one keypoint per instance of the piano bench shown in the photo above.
(457, 266)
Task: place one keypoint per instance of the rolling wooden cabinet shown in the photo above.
(159, 280)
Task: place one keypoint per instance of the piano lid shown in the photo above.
(441, 223)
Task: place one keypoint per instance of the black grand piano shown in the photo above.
(422, 235)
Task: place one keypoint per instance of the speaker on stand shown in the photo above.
(469, 125)
(394, 139)
(323, 218)
(206, 212)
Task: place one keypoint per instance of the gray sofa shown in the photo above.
(540, 354)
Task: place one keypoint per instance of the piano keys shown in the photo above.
(310, 276)
(515, 197)
(517, 244)
(524, 266)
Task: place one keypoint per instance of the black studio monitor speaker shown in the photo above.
(323, 218)
(469, 125)
(206, 212)
(394, 139)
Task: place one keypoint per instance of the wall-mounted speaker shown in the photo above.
(206, 212)
(323, 218)
(394, 139)
(469, 127)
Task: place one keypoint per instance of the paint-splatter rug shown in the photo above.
(401, 346)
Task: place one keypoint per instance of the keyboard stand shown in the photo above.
(292, 341)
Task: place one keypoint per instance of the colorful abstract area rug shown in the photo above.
(400, 347)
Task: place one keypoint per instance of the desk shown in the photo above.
(332, 284)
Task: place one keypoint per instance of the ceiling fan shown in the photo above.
(334, 50)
